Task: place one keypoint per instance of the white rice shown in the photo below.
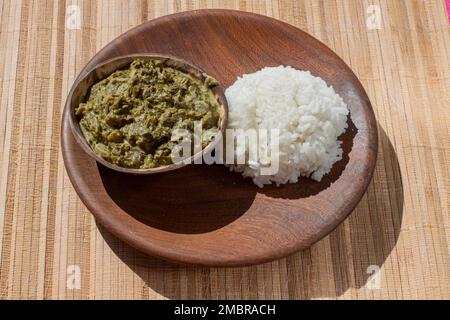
(309, 114)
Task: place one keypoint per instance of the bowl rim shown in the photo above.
(81, 140)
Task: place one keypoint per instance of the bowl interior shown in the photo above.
(82, 86)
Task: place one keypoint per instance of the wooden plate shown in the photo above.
(205, 214)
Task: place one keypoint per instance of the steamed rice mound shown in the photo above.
(309, 114)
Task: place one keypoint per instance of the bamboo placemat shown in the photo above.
(394, 245)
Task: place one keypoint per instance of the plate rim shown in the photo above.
(154, 249)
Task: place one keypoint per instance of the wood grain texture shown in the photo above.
(402, 224)
(206, 215)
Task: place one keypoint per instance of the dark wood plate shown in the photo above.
(207, 215)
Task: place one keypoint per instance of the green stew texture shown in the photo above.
(128, 117)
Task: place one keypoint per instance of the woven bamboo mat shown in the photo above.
(394, 245)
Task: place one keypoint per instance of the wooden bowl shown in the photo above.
(207, 215)
(100, 71)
